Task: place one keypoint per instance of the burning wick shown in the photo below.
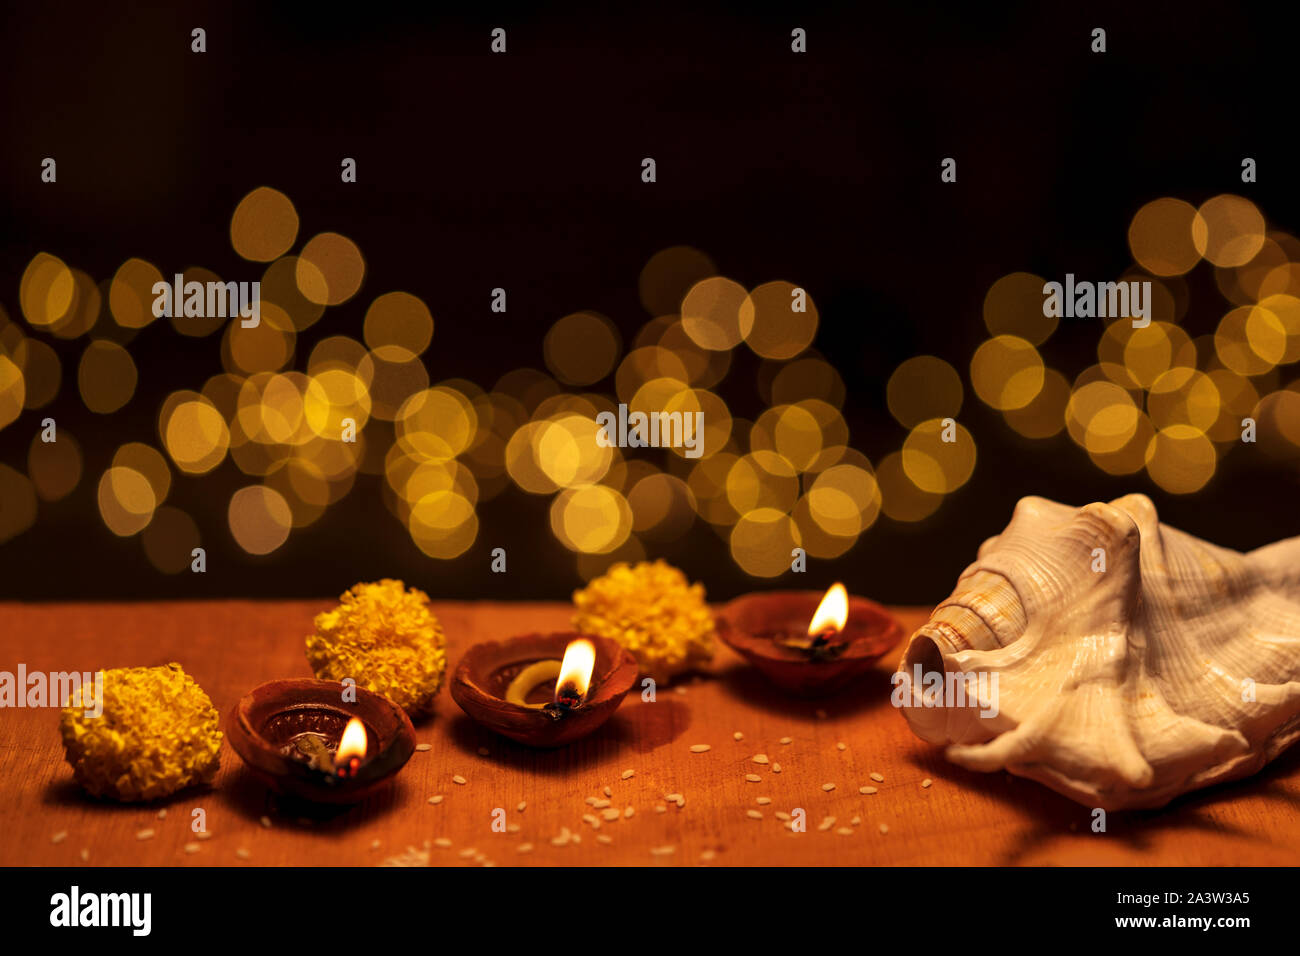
(575, 673)
(826, 627)
(352, 747)
(572, 678)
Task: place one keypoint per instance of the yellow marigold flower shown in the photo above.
(653, 611)
(387, 640)
(157, 734)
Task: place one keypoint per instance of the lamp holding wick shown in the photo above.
(352, 747)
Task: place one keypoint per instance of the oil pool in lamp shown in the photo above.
(544, 690)
(306, 739)
(807, 643)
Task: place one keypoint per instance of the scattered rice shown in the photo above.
(145, 834)
(700, 748)
(611, 814)
(59, 837)
(85, 854)
(662, 850)
(512, 828)
(826, 824)
(787, 740)
(374, 844)
(856, 821)
(627, 814)
(867, 790)
(459, 779)
(763, 801)
(162, 814)
(600, 804)
(436, 800)
(884, 828)
(841, 746)
(466, 853)
(782, 815)
(828, 787)
(607, 791)
(776, 768)
(736, 736)
(760, 758)
(266, 822)
(845, 831)
(524, 848)
(604, 838)
(243, 853)
(203, 835)
(753, 814)
(672, 797)
(523, 805)
(753, 778)
(660, 808)
(591, 819)
(628, 774)
(926, 783)
(707, 855)
(423, 747)
(442, 842)
(879, 778)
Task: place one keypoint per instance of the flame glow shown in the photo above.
(575, 670)
(352, 744)
(833, 613)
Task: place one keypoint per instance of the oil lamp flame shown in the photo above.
(352, 747)
(832, 614)
(575, 672)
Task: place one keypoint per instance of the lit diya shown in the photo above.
(807, 643)
(544, 690)
(302, 739)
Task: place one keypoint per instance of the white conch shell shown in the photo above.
(1176, 667)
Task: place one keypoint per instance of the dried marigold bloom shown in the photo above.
(386, 639)
(157, 734)
(653, 611)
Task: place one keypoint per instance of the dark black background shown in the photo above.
(523, 171)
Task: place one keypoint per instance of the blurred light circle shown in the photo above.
(669, 274)
(330, 269)
(264, 225)
(401, 320)
(170, 539)
(770, 324)
(1160, 237)
(1228, 230)
(54, 467)
(1006, 372)
(259, 519)
(126, 501)
(711, 313)
(1014, 306)
(935, 464)
(17, 503)
(106, 376)
(921, 388)
(1181, 459)
(762, 542)
(581, 348)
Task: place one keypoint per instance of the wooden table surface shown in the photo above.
(230, 646)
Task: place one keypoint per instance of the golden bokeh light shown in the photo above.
(901, 500)
(397, 323)
(593, 519)
(778, 320)
(13, 390)
(106, 376)
(264, 225)
(939, 455)
(170, 539)
(46, 291)
(1181, 459)
(1160, 237)
(1228, 230)
(131, 296)
(259, 519)
(763, 540)
(669, 274)
(193, 432)
(921, 388)
(711, 313)
(17, 503)
(54, 467)
(330, 269)
(126, 501)
(1044, 416)
(1014, 306)
(1006, 372)
(581, 348)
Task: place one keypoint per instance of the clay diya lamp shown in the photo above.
(303, 740)
(544, 690)
(809, 644)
